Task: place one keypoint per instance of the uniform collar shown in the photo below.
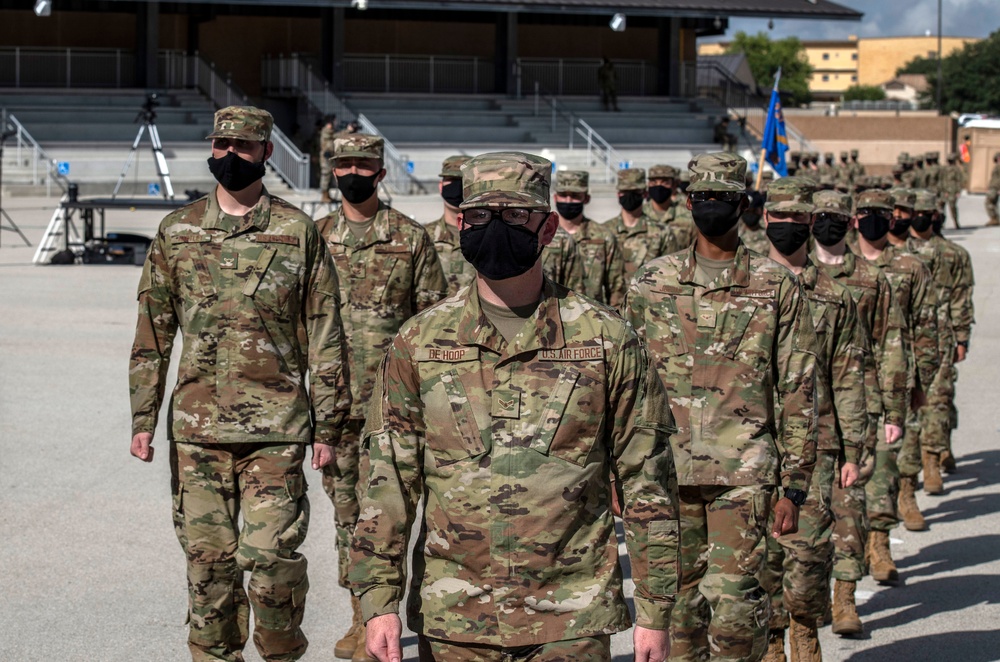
(544, 330)
(739, 276)
(379, 232)
(809, 275)
(257, 218)
(845, 269)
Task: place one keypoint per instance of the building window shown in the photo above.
(854, 79)
(854, 56)
(826, 56)
(826, 79)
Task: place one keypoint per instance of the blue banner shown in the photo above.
(775, 142)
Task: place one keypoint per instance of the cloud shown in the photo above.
(960, 18)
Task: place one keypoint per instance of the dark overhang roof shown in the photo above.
(803, 9)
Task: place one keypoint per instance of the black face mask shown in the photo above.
(234, 173)
(715, 218)
(499, 251)
(630, 200)
(452, 192)
(357, 188)
(872, 227)
(660, 194)
(751, 219)
(922, 222)
(830, 230)
(787, 237)
(569, 210)
(938, 225)
(901, 228)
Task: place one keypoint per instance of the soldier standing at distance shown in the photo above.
(752, 232)
(665, 207)
(604, 273)
(857, 169)
(641, 238)
(913, 292)
(506, 408)
(444, 231)
(608, 82)
(797, 574)
(730, 331)
(389, 271)
(325, 154)
(993, 192)
(885, 387)
(952, 181)
(246, 278)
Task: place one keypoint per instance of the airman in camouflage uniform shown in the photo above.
(665, 207)
(857, 169)
(752, 232)
(444, 231)
(845, 174)
(729, 333)
(562, 261)
(885, 388)
(909, 176)
(932, 176)
(640, 238)
(389, 271)
(929, 433)
(604, 273)
(913, 291)
(993, 193)
(247, 280)
(952, 181)
(492, 424)
(325, 154)
(797, 573)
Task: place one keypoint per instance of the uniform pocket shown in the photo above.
(662, 556)
(457, 436)
(295, 534)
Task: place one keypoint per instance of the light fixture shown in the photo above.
(717, 23)
(618, 23)
(360, 5)
(770, 24)
(43, 7)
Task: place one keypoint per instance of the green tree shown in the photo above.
(969, 79)
(765, 55)
(864, 93)
(919, 65)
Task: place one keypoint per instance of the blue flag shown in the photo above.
(775, 142)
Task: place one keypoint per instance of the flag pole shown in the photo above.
(763, 150)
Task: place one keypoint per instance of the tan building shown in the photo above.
(837, 65)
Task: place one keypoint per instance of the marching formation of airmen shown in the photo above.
(754, 382)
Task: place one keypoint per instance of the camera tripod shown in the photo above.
(4, 135)
(148, 116)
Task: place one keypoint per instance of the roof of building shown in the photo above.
(817, 9)
(917, 81)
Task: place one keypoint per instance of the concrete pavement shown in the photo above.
(91, 569)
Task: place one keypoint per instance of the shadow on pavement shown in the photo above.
(913, 602)
(968, 646)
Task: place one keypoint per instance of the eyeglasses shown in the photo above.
(732, 197)
(510, 215)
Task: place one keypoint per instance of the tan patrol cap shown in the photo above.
(790, 194)
(924, 200)
(243, 123)
(630, 179)
(718, 171)
(903, 197)
(572, 181)
(358, 145)
(452, 166)
(506, 179)
(663, 172)
(831, 202)
(874, 198)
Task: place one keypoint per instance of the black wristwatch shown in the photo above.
(798, 497)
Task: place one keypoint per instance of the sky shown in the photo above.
(885, 18)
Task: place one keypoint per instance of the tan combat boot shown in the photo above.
(360, 654)
(845, 612)
(344, 649)
(803, 639)
(913, 520)
(947, 462)
(933, 484)
(775, 647)
(880, 564)
(992, 221)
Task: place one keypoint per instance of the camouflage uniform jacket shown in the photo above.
(995, 178)
(887, 364)
(386, 277)
(963, 311)
(326, 136)
(457, 269)
(946, 270)
(857, 171)
(840, 364)
(512, 447)
(645, 241)
(677, 218)
(603, 278)
(952, 181)
(561, 261)
(722, 351)
(910, 178)
(755, 238)
(913, 291)
(256, 300)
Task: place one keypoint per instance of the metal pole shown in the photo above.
(536, 98)
(940, 82)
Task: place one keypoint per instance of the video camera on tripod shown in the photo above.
(148, 117)
(148, 112)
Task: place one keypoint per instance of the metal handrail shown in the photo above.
(27, 144)
(295, 75)
(556, 111)
(600, 149)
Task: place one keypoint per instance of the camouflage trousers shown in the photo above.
(850, 514)
(991, 204)
(585, 649)
(721, 611)
(340, 482)
(797, 571)
(883, 486)
(213, 485)
(951, 200)
(325, 175)
(929, 428)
